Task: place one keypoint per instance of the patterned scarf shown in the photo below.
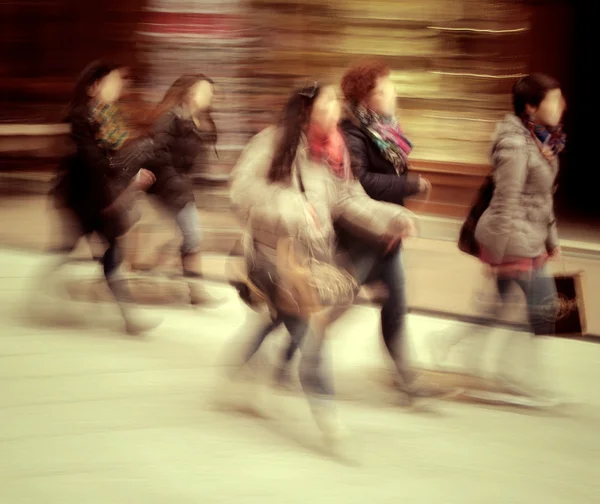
(329, 149)
(387, 135)
(551, 141)
(112, 132)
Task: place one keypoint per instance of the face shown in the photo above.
(326, 110)
(109, 88)
(382, 99)
(201, 95)
(551, 110)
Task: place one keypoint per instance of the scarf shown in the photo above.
(329, 149)
(387, 135)
(551, 141)
(112, 132)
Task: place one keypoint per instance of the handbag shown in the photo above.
(307, 285)
(466, 238)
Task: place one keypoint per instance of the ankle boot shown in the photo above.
(134, 324)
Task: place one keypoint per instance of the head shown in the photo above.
(99, 81)
(368, 84)
(313, 106)
(539, 96)
(193, 91)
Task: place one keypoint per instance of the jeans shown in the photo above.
(369, 266)
(540, 295)
(312, 377)
(541, 299)
(188, 221)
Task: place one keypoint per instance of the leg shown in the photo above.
(110, 263)
(189, 223)
(315, 380)
(542, 304)
(393, 313)
(261, 335)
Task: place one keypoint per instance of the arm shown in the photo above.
(96, 162)
(266, 206)
(509, 159)
(380, 186)
(359, 214)
(552, 242)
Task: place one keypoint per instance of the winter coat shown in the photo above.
(520, 221)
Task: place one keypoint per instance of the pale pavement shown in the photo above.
(88, 415)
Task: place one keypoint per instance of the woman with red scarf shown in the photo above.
(293, 182)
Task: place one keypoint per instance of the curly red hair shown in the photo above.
(360, 79)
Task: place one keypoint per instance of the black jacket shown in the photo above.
(376, 174)
(86, 183)
(178, 144)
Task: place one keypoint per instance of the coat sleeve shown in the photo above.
(552, 241)
(509, 159)
(172, 187)
(380, 186)
(360, 215)
(97, 164)
(270, 209)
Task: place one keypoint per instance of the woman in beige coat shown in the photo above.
(294, 182)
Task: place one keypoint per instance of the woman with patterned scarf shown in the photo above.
(517, 233)
(379, 152)
(97, 183)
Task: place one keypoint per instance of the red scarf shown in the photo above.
(330, 149)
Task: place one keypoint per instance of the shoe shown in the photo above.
(420, 389)
(330, 424)
(199, 296)
(135, 325)
(534, 397)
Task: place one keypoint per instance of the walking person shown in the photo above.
(517, 233)
(283, 189)
(96, 185)
(183, 132)
(379, 153)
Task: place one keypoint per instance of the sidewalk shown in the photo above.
(90, 416)
(441, 280)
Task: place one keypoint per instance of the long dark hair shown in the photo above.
(178, 93)
(293, 122)
(93, 73)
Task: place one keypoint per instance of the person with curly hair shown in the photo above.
(379, 152)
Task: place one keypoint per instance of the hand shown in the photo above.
(407, 230)
(144, 179)
(424, 185)
(554, 253)
(410, 230)
(392, 245)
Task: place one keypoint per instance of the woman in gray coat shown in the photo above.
(517, 233)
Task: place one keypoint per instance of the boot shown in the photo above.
(192, 269)
(134, 324)
(533, 385)
(413, 386)
(191, 265)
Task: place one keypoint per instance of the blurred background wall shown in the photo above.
(454, 63)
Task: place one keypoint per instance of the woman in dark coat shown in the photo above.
(379, 153)
(96, 183)
(183, 132)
